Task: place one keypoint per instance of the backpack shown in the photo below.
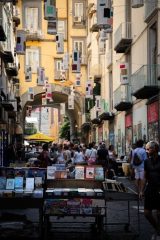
(137, 160)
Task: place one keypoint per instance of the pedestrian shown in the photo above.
(103, 158)
(11, 154)
(112, 159)
(67, 154)
(60, 156)
(152, 189)
(91, 155)
(78, 157)
(137, 162)
(44, 159)
(131, 169)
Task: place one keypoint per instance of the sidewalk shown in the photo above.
(118, 211)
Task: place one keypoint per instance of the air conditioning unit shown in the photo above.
(77, 19)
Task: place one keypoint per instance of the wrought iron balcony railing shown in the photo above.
(123, 37)
(150, 8)
(145, 82)
(122, 98)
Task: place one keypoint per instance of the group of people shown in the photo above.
(145, 162)
(78, 154)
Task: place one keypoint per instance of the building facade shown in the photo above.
(130, 73)
(10, 106)
(51, 39)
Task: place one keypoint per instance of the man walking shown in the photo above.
(137, 162)
(152, 190)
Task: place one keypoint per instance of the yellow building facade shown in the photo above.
(41, 52)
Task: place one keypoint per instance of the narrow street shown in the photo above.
(115, 226)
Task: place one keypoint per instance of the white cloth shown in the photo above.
(78, 157)
(91, 153)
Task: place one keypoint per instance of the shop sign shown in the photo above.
(152, 113)
(128, 120)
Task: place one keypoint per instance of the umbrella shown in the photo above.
(39, 137)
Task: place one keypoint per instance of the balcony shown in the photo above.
(7, 105)
(105, 114)
(122, 98)
(96, 71)
(137, 3)
(59, 76)
(86, 118)
(86, 122)
(12, 70)
(3, 36)
(144, 82)
(123, 37)
(16, 15)
(7, 56)
(109, 58)
(94, 25)
(151, 7)
(34, 35)
(94, 116)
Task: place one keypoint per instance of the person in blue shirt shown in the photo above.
(139, 168)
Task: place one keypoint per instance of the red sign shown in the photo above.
(128, 120)
(152, 113)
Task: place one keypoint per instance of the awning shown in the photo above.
(39, 137)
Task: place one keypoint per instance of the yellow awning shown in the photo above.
(39, 137)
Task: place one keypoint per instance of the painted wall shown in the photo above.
(139, 121)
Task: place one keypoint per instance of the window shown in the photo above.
(78, 45)
(58, 65)
(32, 58)
(78, 11)
(58, 68)
(61, 28)
(31, 19)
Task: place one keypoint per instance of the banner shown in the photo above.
(70, 102)
(62, 109)
(30, 94)
(40, 76)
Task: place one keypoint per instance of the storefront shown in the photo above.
(152, 118)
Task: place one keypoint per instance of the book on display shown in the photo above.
(10, 184)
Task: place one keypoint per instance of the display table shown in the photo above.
(24, 203)
(66, 201)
